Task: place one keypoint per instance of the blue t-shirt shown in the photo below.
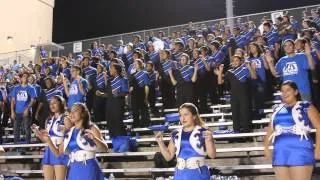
(261, 72)
(74, 93)
(22, 95)
(295, 69)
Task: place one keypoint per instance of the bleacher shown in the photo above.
(240, 154)
(242, 158)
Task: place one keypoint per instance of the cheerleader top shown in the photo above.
(189, 144)
(75, 141)
(292, 120)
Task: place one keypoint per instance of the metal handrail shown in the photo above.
(200, 22)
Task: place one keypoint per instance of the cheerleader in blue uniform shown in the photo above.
(55, 167)
(294, 155)
(191, 144)
(81, 142)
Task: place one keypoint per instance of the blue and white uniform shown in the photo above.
(292, 143)
(190, 153)
(57, 137)
(83, 164)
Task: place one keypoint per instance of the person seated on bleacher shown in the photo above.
(81, 142)
(191, 144)
(294, 154)
(294, 67)
(56, 125)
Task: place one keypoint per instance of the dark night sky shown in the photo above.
(82, 19)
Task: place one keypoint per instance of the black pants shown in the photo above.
(241, 109)
(258, 97)
(33, 114)
(185, 93)
(168, 95)
(99, 108)
(115, 115)
(152, 99)
(201, 94)
(43, 115)
(140, 111)
(212, 89)
(89, 100)
(4, 120)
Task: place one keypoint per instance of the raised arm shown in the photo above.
(167, 152)
(172, 79)
(270, 62)
(95, 134)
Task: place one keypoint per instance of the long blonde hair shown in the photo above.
(194, 111)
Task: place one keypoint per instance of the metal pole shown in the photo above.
(229, 10)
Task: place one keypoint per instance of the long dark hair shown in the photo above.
(294, 86)
(259, 51)
(85, 115)
(62, 103)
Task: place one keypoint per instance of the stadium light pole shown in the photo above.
(229, 10)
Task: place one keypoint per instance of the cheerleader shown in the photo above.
(55, 167)
(81, 143)
(191, 144)
(184, 80)
(294, 155)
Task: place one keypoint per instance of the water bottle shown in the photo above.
(1, 177)
(111, 177)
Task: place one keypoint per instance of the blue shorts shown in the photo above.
(289, 150)
(89, 170)
(201, 173)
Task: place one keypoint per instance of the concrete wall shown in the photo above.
(29, 22)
